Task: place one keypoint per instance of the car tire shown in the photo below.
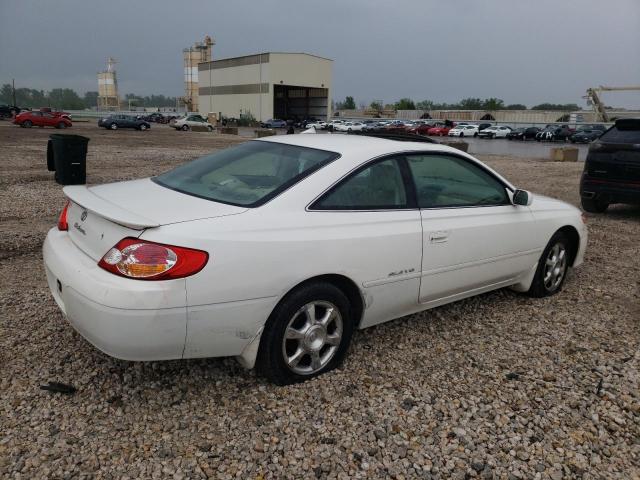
(552, 267)
(461, 134)
(476, 134)
(210, 128)
(306, 335)
(27, 124)
(142, 127)
(184, 128)
(61, 125)
(594, 205)
(113, 126)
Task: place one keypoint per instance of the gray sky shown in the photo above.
(521, 51)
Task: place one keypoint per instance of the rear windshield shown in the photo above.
(246, 175)
(616, 135)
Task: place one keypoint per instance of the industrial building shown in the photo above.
(108, 98)
(266, 85)
(192, 56)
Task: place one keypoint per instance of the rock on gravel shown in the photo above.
(497, 386)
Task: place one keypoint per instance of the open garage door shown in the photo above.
(297, 103)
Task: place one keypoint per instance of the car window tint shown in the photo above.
(448, 181)
(616, 135)
(248, 174)
(377, 187)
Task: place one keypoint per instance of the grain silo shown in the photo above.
(108, 98)
(198, 53)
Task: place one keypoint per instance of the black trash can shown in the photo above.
(69, 158)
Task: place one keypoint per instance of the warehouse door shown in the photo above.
(297, 103)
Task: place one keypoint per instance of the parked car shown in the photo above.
(482, 126)
(276, 250)
(524, 134)
(9, 111)
(440, 131)
(273, 123)
(29, 119)
(553, 133)
(318, 125)
(349, 127)
(420, 129)
(612, 169)
(464, 131)
(155, 117)
(58, 113)
(189, 121)
(113, 122)
(585, 136)
(497, 131)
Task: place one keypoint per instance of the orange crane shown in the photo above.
(593, 98)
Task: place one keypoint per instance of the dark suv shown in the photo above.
(612, 170)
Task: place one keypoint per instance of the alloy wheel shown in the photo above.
(555, 267)
(312, 337)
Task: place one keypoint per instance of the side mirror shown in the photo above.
(522, 197)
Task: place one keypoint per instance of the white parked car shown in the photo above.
(319, 125)
(189, 121)
(350, 127)
(497, 131)
(464, 131)
(276, 250)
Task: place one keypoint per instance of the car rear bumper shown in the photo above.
(143, 320)
(612, 191)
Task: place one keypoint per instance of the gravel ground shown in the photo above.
(497, 386)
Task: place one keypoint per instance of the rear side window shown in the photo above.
(379, 186)
(447, 181)
(247, 175)
(618, 135)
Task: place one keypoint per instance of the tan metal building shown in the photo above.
(192, 56)
(267, 85)
(108, 98)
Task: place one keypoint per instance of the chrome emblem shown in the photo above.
(83, 217)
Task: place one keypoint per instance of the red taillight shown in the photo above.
(143, 260)
(62, 220)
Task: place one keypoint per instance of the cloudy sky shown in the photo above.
(523, 52)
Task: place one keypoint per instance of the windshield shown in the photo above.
(618, 135)
(247, 175)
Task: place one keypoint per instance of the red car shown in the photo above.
(440, 131)
(421, 129)
(42, 119)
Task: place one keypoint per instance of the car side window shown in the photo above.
(378, 186)
(448, 181)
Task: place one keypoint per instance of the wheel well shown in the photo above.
(347, 286)
(574, 240)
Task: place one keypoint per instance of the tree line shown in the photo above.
(66, 98)
(464, 104)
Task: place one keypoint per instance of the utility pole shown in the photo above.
(13, 90)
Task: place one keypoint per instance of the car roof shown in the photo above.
(356, 144)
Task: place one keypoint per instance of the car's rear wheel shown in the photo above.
(210, 128)
(461, 134)
(27, 124)
(113, 126)
(594, 205)
(552, 267)
(185, 128)
(307, 334)
(476, 134)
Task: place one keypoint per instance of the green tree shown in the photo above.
(349, 103)
(471, 104)
(515, 106)
(65, 98)
(492, 104)
(376, 105)
(556, 106)
(405, 104)
(90, 99)
(425, 105)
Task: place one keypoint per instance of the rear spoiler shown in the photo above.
(81, 195)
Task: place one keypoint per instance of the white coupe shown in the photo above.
(464, 131)
(276, 250)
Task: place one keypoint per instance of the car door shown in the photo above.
(373, 230)
(36, 119)
(474, 238)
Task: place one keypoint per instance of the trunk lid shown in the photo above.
(102, 215)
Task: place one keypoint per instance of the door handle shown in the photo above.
(438, 237)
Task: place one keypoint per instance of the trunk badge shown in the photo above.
(83, 217)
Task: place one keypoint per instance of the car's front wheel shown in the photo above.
(61, 125)
(143, 127)
(27, 124)
(307, 334)
(552, 267)
(185, 128)
(113, 126)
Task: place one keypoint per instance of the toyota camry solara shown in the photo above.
(276, 250)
